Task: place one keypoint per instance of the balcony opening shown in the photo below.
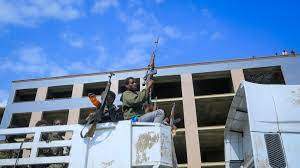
(122, 88)
(167, 87)
(54, 151)
(167, 106)
(180, 148)
(51, 116)
(212, 145)
(20, 120)
(212, 111)
(264, 75)
(84, 112)
(59, 92)
(12, 154)
(24, 95)
(212, 83)
(97, 88)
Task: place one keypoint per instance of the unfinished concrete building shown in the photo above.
(202, 91)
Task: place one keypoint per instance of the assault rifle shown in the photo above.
(151, 70)
(172, 122)
(172, 114)
(100, 106)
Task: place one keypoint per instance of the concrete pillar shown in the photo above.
(190, 122)
(73, 116)
(35, 117)
(41, 95)
(77, 90)
(237, 76)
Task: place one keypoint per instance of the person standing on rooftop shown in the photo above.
(284, 52)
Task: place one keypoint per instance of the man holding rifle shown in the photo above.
(137, 106)
(134, 101)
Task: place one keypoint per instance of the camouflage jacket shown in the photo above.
(133, 103)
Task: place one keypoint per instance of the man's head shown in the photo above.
(41, 123)
(130, 84)
(57, 122)
(110, 98)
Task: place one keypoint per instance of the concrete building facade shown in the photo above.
(202, 91)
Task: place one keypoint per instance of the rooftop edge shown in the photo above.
(161, 67)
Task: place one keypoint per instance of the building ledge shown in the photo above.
(163, 67)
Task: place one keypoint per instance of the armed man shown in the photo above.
(134, 101)
(111, 112)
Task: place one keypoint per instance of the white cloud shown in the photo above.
(143, 27)
(82, 67)
(32, 60)
(73, 40)
(29, 12)
(135, 25)
(3, 98)
(36, 62)
(172, 32)
(141, 38)
(102, 5)
(133, 58)
(143, 24)
(33, 55)
(216, 35)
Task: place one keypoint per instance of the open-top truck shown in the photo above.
(114, 145)
(263, 127)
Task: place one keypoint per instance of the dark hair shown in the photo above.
(111, 93)
(57, 120)
(41, 122)
(127, 80)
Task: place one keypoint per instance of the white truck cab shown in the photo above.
(263, 127)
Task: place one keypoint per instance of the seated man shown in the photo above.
(133, 102)
(111, 112)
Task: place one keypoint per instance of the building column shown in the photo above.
(237, 76)
(73, 118)
(190, 122)
(73, 115)
(77, 90)
(41, 95)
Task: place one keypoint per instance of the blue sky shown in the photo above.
(41, 38)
